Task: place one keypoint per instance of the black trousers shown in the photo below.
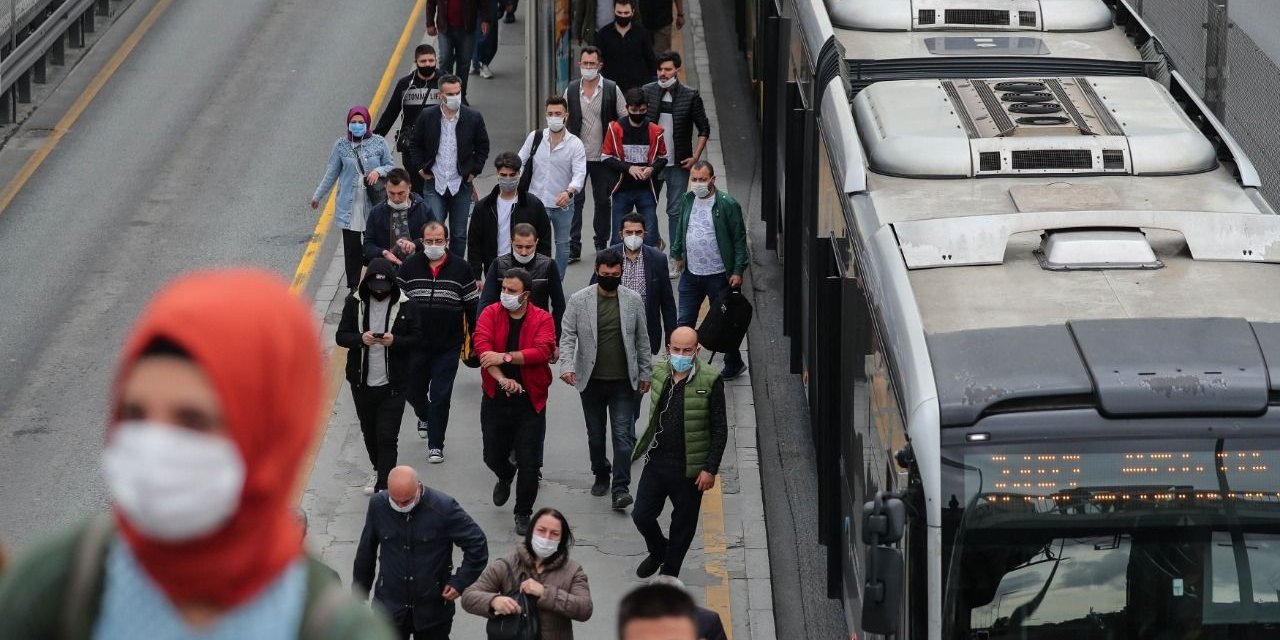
(438, 632)
(507, 425)
(379, 410)
(602, 182)
(353, 255)
(662, 480)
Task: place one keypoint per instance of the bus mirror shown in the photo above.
(883, 520)
(882, 591)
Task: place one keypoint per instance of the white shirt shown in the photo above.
(504, 223)
(377, 374)
(700, 247)
(668, 125)
(445, 169)
(555, 170)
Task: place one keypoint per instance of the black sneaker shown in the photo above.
(601, 486)
(422, 429)
(522, 525)
(501, 492)
(649, 566)
(730, 374)
(622, 501)
(509, 18)
(575, 256)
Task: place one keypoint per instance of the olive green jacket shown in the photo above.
(697, 414)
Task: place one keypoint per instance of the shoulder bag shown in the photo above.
(517, 626)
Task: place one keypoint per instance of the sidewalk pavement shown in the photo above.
(728, 567)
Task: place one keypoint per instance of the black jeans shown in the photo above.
(612, 401)
(660, 480)
(379, 410)
(511, 424)
(431, 375)
(602, 183)
(438, 632)
(353, 255)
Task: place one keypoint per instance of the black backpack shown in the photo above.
(725, 326)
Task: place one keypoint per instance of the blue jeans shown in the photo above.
(676, 182)
(455, 208)
(487, 46)
(456, 48)
(431, 374)
(616, 401)
(693, 289)
(641, 200)
(561, 225)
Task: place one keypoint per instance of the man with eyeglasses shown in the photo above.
(441, 286)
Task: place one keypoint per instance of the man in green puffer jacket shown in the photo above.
(682, 446)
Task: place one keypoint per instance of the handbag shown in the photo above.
(726, 323)
(516, 626)
(377, 191)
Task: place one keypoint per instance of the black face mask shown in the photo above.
(426, 72)
(637, 119)
(379, 296)
(609, 283)
(622, 21)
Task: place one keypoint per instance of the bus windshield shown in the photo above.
(1147, 540)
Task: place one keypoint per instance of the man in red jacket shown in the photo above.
(515, 341)
(635, 150)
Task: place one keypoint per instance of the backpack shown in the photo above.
(725, 326)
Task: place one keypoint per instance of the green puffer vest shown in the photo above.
(697, 414)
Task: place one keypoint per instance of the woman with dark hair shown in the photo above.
(540, 567)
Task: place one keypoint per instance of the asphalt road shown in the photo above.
(202, 149)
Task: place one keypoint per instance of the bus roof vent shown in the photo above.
(972, 15)
(1028, 126)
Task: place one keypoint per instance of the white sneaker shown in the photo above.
(435, 456)
(370, 483)
(671, 268)
(485, 72)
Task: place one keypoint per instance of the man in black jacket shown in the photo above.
(379, 329)
(395, 225)
(644, 271)
(411, 95)
(441, 287)
(456, 23)
(411, 530)
(628, 47)
(449, 148)
(497, 215)
(546, 292)
(678, 109)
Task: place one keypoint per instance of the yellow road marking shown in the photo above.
(78, 107)
(714, 548)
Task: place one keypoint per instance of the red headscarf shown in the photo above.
(258, 345)
(368, 130)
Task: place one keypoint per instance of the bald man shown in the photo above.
(411, 530)
(682, 447)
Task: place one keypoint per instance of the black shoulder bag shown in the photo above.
(377, 191)
(516, 626)
(526, 172)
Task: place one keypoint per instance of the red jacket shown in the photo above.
(537, 343)
(613, 153)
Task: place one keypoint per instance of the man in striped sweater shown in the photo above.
(443, 290)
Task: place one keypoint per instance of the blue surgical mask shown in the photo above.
(681, 363)
(357, 129)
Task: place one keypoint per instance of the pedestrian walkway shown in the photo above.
(728, 567)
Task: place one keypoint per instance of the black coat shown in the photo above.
(547, 294)
(482, 231)
(415, 554)
(377, 232)
(628, 60)
(355, 321)
(709, 625)
(659, 299)
(473, 142)
(687, 114)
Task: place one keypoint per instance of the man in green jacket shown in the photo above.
(709, 246)
(682, 447)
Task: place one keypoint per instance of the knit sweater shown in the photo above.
(445, 300)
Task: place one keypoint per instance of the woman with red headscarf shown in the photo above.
(214, 410)
(360, 158)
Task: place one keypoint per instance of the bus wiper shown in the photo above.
(1026, 610)
(1244, 573)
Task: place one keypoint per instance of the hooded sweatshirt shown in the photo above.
(377, 365)
(257, 344)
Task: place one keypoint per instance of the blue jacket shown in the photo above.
(415, 551)
(342, 169)
(659, 299)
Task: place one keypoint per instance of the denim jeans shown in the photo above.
(487, 46)
(561, 225)
(510, 425)
(615, 400)
(456, 208)
(431, 375)
(693, 289)
(456, 47)
(675, 181)
(641, 200)
(602, 180)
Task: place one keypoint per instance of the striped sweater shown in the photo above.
(445, 300)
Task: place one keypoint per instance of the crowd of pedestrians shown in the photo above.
(214, 407)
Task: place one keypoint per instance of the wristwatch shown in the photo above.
(506, 357)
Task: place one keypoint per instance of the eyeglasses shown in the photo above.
(434, 243)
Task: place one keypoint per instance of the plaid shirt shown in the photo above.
(633, 275)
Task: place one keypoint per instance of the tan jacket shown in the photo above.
(567, 595)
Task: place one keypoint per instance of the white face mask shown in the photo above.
(555, 123)
(633, 242)
(453, 102)
(543, 547)
(510, 301)
(589, 74)
(667, 84)
(172, 483)
(523, 259)
(399, 206)
(434, 252)
(700, 189)
(407, 508)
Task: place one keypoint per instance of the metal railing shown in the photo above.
(37, 33)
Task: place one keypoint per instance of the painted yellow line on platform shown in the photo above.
(78, 107)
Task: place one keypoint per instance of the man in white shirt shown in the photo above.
(559, 168)
(449, 148)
